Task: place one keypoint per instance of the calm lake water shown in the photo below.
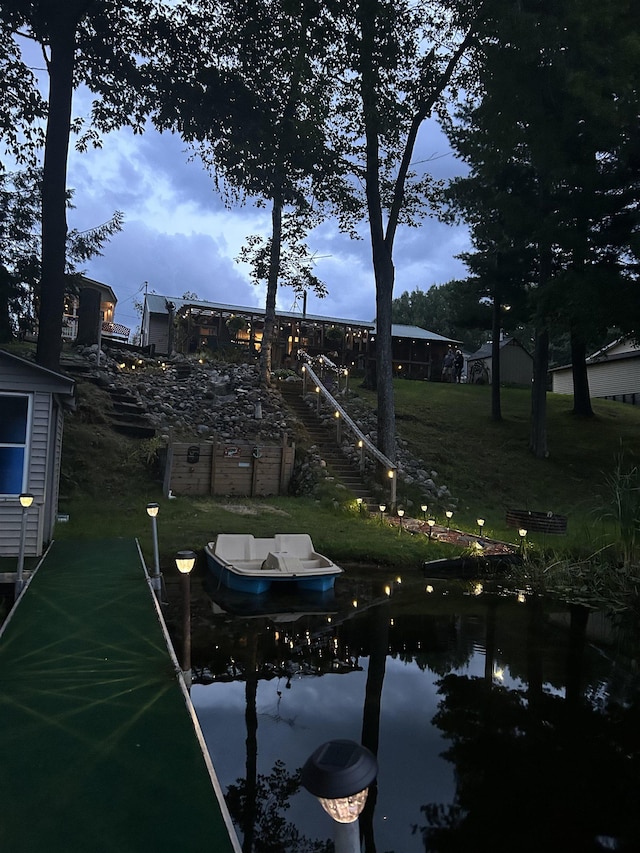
(501, 722)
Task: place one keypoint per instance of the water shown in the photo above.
(499, 724)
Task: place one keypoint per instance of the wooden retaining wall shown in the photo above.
(229, 468)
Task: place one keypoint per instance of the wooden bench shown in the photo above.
(537, 522)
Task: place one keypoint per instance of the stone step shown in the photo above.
(324, 437)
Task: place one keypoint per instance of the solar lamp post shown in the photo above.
(185, 561)
(152, 512)
(26, 499)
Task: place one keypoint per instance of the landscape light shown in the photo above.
(26, 500)
(185, 561)
(339, 773)
(480, 525)
(152, 512)
(449, 514)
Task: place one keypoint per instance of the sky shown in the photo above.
(178, 236)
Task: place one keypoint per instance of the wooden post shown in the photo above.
(214, 450)
(283, 460)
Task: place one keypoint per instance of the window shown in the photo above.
(14, 422)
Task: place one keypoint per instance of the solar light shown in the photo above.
(449, 514)
(424, 509)
(26, 499)
(339, 773)
(431, 523)
(152, 512)
(480, 526)
(382, 509)
(185, 561)
(400, 516)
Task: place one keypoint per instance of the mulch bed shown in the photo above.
(453, 537)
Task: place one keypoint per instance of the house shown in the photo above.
(89, 313)
(516, 364)
(32, 400)
(416, 352)
(196, 326)
(613, 373)
(183, 325)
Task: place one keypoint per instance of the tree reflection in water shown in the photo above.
(546, 760)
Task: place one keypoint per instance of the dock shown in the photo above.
(100, 747)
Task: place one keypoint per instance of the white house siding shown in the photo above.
(158, 333)
(562, 381)
(618, 379)
(20, 377)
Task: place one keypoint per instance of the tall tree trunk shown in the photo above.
(54, 187)
(538, 435)
(496, 409)
(581, 395)
(382, 251)
(272, 289)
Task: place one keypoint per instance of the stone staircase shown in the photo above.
(127, 416)
(325, 439)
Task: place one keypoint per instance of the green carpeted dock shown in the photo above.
(100, 750)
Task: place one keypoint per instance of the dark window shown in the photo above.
(14, 418)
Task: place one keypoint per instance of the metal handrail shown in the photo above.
(365, 444)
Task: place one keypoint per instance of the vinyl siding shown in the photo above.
(617, 379)
(40, 385)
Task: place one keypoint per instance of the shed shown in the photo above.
(613, 373)
(32, 401)
(516, 364)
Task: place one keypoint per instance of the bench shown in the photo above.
(537, 522)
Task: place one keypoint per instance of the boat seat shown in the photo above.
(282, 561)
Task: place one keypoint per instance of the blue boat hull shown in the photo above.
(259, 585)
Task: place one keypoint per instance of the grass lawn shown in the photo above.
(107, 480)
(488, 467)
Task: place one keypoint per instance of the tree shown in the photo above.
(453, 310)
(20, 249)
(21, 106)
(254, 106)
(548, 199)
(98, 42)
(403, 56)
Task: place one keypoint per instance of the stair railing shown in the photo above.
(364, 444)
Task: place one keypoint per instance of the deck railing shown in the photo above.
(365, 446)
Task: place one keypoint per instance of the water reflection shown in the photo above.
(498, 725)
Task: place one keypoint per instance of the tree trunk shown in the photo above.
(54, 186)
(538, 436)
(382, 250)
(496, 409)
(581, 395)
(89, 317)
(272, 289)
(384, 274)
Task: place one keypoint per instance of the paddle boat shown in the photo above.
(241, 562)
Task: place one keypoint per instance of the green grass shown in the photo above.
(107, 480)
(487, 464)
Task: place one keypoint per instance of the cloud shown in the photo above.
(179, 236)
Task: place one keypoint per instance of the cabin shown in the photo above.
(416, 352)
(613, 373)
(516, 364)
(32, 403)
(170, 324)
(89, 313)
